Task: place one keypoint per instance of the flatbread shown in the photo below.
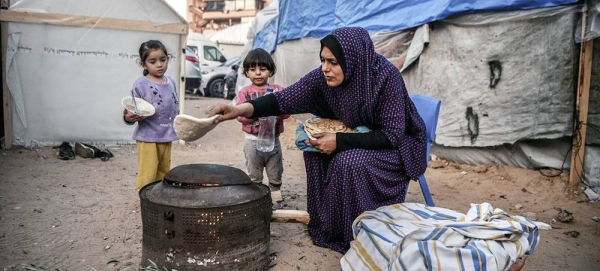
(189, 128)
(321, 125)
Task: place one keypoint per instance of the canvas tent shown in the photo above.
(69, 63)
(506, 71)
(232, 39)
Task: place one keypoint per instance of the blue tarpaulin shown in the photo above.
(317, 18)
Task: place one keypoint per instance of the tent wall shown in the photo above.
(71, 89)
(593, 129)
(68, 66)
(506, 79)
(525, 153)
(530, 97)
(3, 29)
(232, 39)
(295, 59)
(231, 50)
(500, 83)
(591, 169)
(526, 118)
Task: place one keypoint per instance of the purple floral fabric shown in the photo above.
(343, 185)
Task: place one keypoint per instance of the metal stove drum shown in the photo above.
(206, 217)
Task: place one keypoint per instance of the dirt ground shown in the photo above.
(83, 213)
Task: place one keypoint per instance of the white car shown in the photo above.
(207, 51)
(193, 77)
(215, 78)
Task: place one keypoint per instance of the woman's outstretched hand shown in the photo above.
(229, 112)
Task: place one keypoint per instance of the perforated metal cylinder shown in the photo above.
(203, 235)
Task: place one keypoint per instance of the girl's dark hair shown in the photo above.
(148, 46)
(261, 58)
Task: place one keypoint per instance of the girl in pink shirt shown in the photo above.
(259, 67)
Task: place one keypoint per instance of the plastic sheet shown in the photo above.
(317, 18)
(484, 18)
(296, 20)
(265, 27)
(393, 45)
(591, 167)
(592, 23)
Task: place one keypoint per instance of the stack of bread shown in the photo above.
(321, 125)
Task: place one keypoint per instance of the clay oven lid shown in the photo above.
(204, 186)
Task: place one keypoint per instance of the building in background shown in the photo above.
(209, 16)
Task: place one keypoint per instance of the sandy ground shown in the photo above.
(82, 214)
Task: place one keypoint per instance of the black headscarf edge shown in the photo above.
(332, 43)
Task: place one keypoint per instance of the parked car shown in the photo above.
(231, 80)
(193, 76)
(215, 78)
(207, 51)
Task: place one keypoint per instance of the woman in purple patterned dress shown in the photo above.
(354, 172)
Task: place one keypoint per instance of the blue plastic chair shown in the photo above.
(429, 110)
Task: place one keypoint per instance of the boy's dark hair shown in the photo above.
(145, 49)
(261, 58)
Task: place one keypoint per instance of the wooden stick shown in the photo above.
(581, 107)
(518, 265)
(181, 81)
(290, 216)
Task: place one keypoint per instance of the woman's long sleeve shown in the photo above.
(373, 140)
(265, 106)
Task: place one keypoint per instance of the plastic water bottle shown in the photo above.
(266, 131)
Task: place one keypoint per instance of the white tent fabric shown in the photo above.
(235, 34)
(12, 74)
(155, 11)
(67, 81)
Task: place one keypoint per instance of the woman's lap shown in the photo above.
(342, 186)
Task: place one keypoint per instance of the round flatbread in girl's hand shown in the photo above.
(189, 128)
(320, 125)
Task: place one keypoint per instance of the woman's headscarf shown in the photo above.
(360, 72)
(354, 101)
